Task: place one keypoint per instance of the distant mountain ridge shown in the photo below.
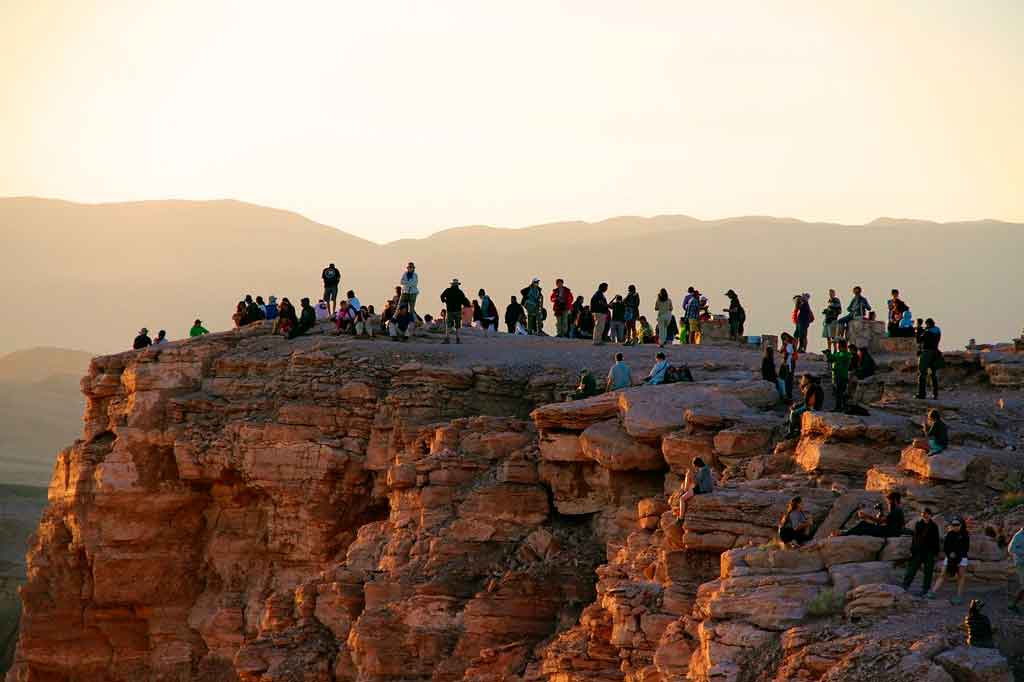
(96, 273)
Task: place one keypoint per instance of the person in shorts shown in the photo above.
(830, 327)
(956, 546)
(332, 278)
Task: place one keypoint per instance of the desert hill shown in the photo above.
(96, 273)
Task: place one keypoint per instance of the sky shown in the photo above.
(396, 119)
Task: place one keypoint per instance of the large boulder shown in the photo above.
(849, 549)
(818, 455)
(982, 466)
(845, 577)
(576, 415)
(876, 599)
(561, 446)
(972, 664)
(681, 447)
(610, 446)
(650, 412)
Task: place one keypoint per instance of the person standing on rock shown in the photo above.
(936, 432)
(599, 309)
(924, 549)
(1016, 551)
(454, 301)
(691, 315)
(839, 363)
(197, 329)
(802, 317)
(698, 481)
(332, 278)
(617, 323)
(407, 291)
(561, 305)
(930, 361)
(575, 315)
(663, 312)
(488, 314)
(619, 376)
(956, 546)
(830, 327)
(532, 299)
(513, 314)
(737, 315)
(632, 303)
(142, 340)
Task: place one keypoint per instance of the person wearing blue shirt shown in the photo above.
(657, 375)
(619, 375)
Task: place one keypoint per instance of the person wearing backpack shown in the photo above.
(561, 306)
(532, 299)
(488, 314)
(795, 524)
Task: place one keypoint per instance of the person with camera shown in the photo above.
(879, 523)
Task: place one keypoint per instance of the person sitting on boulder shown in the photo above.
(307, 320)
(286, 320)
(657, 375)
(586, 388)
(400, 323)
(321, 311)
(699, 481)
(813, 400)
(956, 546)
(142, 340)
(646, 332)
(795, 524)
(936, 432)
(197, 329)
(864, 365)
(619, 375)
(880, 524)
(924, 548)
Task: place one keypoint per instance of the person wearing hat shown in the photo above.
(533, 299)
(142, 340)
(737, 315)
(197, 329)
(454, 300)
(956, 546)
(924, 548)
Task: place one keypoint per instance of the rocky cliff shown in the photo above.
(241, 507)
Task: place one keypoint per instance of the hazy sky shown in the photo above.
(391, 119)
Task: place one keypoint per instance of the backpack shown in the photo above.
(675, 374)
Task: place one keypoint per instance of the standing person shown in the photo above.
(161, 337)
(830, 327)
(691, 314)
(787, 366)
(795, 524)
(488, 313)
(575, 331)
(513, 313)
(839, 363)
(271, 310)
(332, 278)
(561, 305)
(599, 309)
(619, 376)
(658, 372)
(896, 309)
(956, 546)
(1016, 551)
(197, 329)
(632, 302)
(768, 372)
(684, 327)
(924, 549)
(618, 320)
(142, 340)
(307, 319)
(663, 313)
(737, 315)
(803, 317)
(936, 432)
(408, 289)
(454, 301)
(469, 314)
(532, 299)
(930, 360)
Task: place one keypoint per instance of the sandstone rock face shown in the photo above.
(970, 664)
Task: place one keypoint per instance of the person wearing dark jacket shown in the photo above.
(454, 301)
(142, 340)
(737, 315)
(599, 309)
(561, 304)
(864, 366)
(956, 546)
(804, 317)
(768, 372)
(930, 359)
(307, 320)
(574, 318)
(513, 313)
(252, 311)
(924, 549)
(879, 524)
(533, 301)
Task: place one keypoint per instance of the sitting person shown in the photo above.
(307, 320)
(795, 524)
(657, 375)
(699, 481)
(936, 432)
(880, 524)
(321, 311)
(905, 328)
(344, 318)
(813, 400)
(586, 388)
(400, 324)
(619, 375)
(646, 333)
(864, 366)
(363, 324)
